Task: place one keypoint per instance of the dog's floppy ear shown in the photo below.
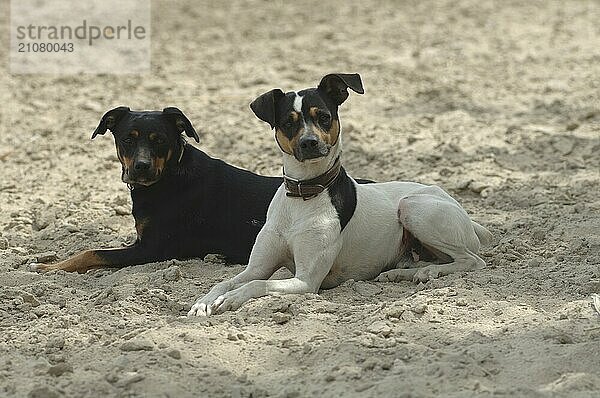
(264, 107)
(336, 85)
(182, 123)
(110, 120)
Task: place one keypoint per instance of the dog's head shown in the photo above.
(306, 122)
(147, 142)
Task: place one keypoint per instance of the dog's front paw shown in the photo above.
(204, 306)
(199, 309)
(208, 307)
(229, 301)
(74, 264)
(41, 268)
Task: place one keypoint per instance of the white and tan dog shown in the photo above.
(325, 228)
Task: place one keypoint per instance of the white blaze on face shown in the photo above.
(298, 108)
(298, 103)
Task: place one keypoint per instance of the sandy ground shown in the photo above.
(496, 101)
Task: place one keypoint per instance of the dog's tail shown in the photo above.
(485, 236)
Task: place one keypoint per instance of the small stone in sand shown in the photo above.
(419, 308)
(122, 211)
(461, 302)
(137, 345)
(281, 317)
(395, 310)
(477, 186)
(572, 126)
(30, 299)
(172, 274)
(175, 354)
(380, 328)
(232, 337)
(130, 378)
(59, 369)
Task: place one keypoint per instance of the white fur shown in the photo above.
(298, 103)
(305, 236)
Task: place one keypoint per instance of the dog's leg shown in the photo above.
(91, 259)
(405, 271)
(233, 299)
(267, 255)
(442, 225)
(313, 262)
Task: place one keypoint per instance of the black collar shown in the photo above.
(308, 189)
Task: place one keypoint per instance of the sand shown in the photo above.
(497, 102)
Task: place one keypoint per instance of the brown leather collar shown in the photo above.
(307, 189)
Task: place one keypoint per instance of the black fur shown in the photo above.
(203, 206)
(336, 85)
(265, 107)
(194, 206)
(343, 197)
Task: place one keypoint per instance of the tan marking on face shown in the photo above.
(313, 112)
(333, 133)
(285, 143)
(159, 165)
(330, 136)
(127, 162)
(134, 133)
(294, 116)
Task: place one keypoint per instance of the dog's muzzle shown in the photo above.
(310, 147)
(143, 176)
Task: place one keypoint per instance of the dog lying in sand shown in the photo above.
(325, 228)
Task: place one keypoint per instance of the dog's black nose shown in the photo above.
(309, 142)
(141, 165)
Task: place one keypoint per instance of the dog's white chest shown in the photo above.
(296, 219)
(369, 242)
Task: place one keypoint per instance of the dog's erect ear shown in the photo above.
(264, 107)
(336, 85)
(182, 123)
(110, 120)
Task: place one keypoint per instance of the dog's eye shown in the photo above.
(324, 119)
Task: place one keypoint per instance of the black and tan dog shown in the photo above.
(185, 203)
